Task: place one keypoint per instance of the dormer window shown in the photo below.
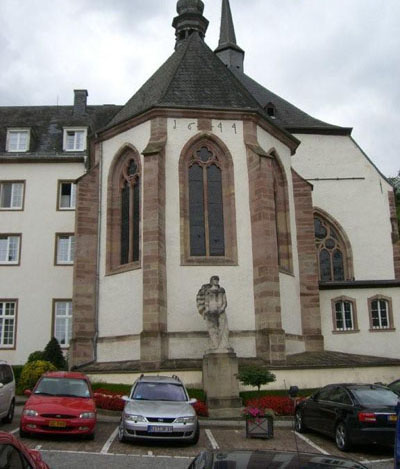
(75, 139)
(18, 140)
(271, 110)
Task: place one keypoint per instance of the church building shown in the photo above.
(113, 217)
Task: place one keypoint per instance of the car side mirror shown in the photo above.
(125, 398)
(192, 401)
(1, 385)
(27, 392)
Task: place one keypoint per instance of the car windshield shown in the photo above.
(375, 396)
(63, 387)
(159, 392)
(395, 386)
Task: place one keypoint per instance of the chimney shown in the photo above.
(80, 101)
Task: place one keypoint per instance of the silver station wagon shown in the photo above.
(159, 408)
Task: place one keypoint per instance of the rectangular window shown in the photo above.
(18, 140)
(75, 139)
(8, 310)
(380, 314)
(11, 195)
(65, 249)
(344, 316)
(63, 322)
(9, 249)
(66, 195)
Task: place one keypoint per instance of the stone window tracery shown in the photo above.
(208, 222)
(332, 251)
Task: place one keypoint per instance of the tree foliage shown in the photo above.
(32, 371)
(53, 354)
(255, 376)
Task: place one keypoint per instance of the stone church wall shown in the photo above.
(358, 200)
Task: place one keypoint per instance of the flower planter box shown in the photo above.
(260, 427)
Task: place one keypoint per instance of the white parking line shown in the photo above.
(38, 447)
(376, 461)
(213, 441)
(160, 456)
(109, 442)
(309, 442)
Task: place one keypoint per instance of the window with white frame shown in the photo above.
(75, 139)
(63, 322)
(380, 314)
(65, 249)
(18, 140)
(11, 195)
(66, 195)
(344, 315)
(8, 311)
(9, 249)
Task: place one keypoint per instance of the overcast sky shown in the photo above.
(338, 60)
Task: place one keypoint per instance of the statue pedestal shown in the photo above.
(221, 385)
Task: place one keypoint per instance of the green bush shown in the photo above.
(255, 376)
(198, 394)
(17, 369)
(249, 395)
(53, 354)
(37, 355)
(32, 371)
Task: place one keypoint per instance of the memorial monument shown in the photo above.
(220, 363)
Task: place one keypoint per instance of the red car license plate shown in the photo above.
(159, 429)
(57, 424)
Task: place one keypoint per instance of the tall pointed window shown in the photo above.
(123, 212)
(130, 212)
(282, 220)
(207, 204)
(206, 211)
(333, 251)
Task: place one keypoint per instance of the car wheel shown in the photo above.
(342, 437)
(121, 434)
(9, 417)
(298, 422)
(195, 438)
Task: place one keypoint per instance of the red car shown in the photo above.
(61, 403)
(15, 454)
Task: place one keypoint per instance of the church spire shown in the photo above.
(228, 51)
(190, 20)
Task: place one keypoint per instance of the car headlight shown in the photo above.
(87, 415)
(191, 419)
(30, 413)
(135, 418)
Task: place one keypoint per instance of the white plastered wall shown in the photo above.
(36, 281)
(364, 342)
(360, 205)
(120, 295)
(289, 284)
(185, 281)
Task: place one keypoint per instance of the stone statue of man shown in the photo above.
(211, 303)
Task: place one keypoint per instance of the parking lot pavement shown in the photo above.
(211, 437)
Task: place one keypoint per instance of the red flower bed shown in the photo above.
(201, 409)
(110, 400)
(281, 405)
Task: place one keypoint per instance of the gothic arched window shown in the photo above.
(207, 204)
(334, 258)
(123, 212)
(282, 221)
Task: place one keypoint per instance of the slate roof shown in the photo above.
(47, 123)
(288, 116)
(192, 78)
